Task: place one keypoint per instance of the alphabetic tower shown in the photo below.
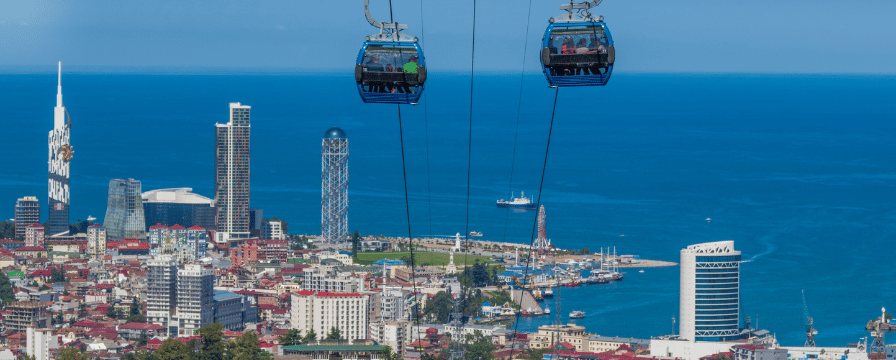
(334, 186)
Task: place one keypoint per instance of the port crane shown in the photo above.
(810, 325)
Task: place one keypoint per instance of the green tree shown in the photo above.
(7, 230)
(136, 319)
(112, 312)
(479, 347)
(245, 347)
(173, 349)
(439, 307)
(334, 334)
(310, 336)
(59, 318)
(388, 354)
(57, 276)
(135, 307)
(143, 339)
(291, 338)
(212, 342)
(356, 244)
(70, 353)
(6, 294)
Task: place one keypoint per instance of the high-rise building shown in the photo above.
(272, 229)
(34, 235)
(59, 157)
(38, 342)
(178, 206)
(161, 291)
(27, 213)
(232, 175)
(96, 241)
(195, 298)
(709, 297)
(124, 213)
(347, 312)
(391, 333)
(334, 186)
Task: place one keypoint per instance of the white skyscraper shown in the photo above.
(60, 154)
(709, 295)
(195, 298)
(161, 290)
(232, 175)
(96, 241)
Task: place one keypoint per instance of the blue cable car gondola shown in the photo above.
(577, 48)
(390, 68)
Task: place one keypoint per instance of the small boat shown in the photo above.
(548, 293)
(577, 315)
(547, 311)
(641, 271)
(521, 202)
(537, 294)
(708, 219)
(475, 233)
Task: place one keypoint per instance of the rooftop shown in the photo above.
(176, 196)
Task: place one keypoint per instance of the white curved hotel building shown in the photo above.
(709, 292)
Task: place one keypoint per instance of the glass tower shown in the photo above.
(710, 292)
(124, 213)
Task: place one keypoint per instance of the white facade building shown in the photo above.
(38, 342)
(322, 311)
(34, 235)
(232, 175)
(272, 230)
(709, 292)
(391, 333)
(161, 290)
(187, 244)
(195, 298)
(96, 241)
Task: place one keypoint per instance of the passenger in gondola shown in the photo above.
(597, 46)
(568, 48)
(373, 65)
(410, 70)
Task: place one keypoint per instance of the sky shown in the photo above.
(697, 36)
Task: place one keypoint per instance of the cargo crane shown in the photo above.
(810, 326)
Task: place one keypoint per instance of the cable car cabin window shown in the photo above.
(578, 50)
(390, 69)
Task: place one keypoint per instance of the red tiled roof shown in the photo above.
(267, 306)
(141, 326)
(105, 333)
(105, 286)
(176, 227)
(42, 273)
(35, 225)
(196, 227)
(158, 226)
(304, 292)
(97, 226)
(31, 248)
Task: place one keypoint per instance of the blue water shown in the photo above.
(798, 170)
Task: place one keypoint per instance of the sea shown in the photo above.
(798, 170)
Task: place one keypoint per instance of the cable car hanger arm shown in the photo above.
(582, 15)
(393, 30)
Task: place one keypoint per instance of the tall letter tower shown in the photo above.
(334, 186)
(59, 157)
(232, 175)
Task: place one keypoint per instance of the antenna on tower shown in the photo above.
(810, 326)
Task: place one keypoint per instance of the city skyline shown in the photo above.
(692, 143)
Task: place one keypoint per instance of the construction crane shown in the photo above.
(810, 326)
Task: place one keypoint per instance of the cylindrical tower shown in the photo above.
(709, 293)
(334, 186)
